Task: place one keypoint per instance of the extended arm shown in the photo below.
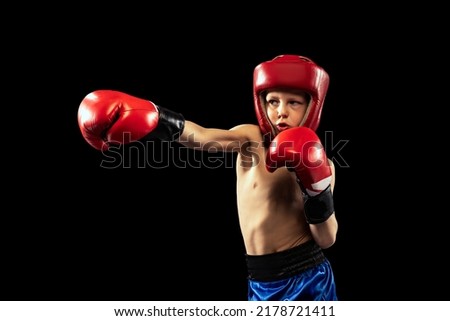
(198, 137)
(107, 118)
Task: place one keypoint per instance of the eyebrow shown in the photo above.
(288, 96)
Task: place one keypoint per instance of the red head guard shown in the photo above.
(290, 71)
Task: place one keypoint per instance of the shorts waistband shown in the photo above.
(284, 264)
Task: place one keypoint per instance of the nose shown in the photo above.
(282, 111)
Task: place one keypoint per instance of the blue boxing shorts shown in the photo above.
(302, 273)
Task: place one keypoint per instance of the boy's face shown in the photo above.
(286, 109)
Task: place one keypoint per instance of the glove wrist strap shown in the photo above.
(320, 207)
(170, 125)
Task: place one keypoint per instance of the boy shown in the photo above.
(284, 179)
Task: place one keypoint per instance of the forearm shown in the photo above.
(198, 137)
(325, 233)
(193, 135)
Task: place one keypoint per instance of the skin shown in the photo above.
(270, 205)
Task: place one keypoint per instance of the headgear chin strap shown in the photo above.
(290, 71)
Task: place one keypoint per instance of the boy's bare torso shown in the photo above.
(270, 205)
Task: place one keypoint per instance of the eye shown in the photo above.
(297, 103)
(273, 103)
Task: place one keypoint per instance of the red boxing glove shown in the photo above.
(108, 117)
(300, 150)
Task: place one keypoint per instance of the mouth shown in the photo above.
(282, 126)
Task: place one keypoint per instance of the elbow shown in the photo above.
(326, 242)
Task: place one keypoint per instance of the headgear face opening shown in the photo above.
(290, 71)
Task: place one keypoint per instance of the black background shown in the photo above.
(73, 230)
